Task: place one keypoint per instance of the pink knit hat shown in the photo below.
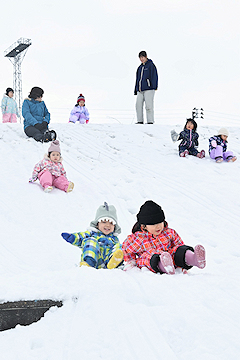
(54, 146)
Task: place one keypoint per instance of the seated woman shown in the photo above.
(37, 117)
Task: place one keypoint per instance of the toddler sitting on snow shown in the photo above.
(154, 245)
(189, 137)
(79, 113)
(100, 245)
(218, 147)
(50, 170)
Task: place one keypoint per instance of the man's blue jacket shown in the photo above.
(146, 77)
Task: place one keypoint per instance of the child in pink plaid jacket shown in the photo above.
(154, 245)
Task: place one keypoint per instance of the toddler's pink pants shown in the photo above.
(47, 179)
(9, 118)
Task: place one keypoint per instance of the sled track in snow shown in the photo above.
(88, 141)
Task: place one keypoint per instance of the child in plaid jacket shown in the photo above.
(100, 245)
(154, 245)
(50, 171)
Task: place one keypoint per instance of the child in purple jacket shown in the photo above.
(218, 147)
(79, 112)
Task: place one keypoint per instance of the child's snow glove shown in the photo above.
(128, 265)
(174, 136)
(214, 143)
(41, 126)
(68, 237)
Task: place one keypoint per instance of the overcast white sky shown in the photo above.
(92, 47)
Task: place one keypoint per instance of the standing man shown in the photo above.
(146, 84)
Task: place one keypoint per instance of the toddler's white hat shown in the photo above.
(223, 131)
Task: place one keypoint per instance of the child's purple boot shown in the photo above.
(166, 264)
(196, 258)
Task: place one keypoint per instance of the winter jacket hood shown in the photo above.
(48, 158)
(96, 230)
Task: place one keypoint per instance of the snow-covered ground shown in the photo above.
(112, 314)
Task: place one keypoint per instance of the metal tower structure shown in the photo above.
(16, 53)
(196, 112)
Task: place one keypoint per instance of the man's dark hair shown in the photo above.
(142, 53)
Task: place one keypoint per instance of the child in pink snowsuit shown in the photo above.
(9, 107)
(50, 170)
(154, 245)
(79, 112)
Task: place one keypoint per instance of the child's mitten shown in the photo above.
(174, 136)
(31, 180)
(214, 143)
(68, 237)
(129, 265)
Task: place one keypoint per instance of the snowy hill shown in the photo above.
(111, 314)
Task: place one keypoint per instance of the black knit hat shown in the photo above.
(8, 90)
(36, 92)
(150, 213)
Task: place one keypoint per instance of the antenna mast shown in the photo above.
(16, 53)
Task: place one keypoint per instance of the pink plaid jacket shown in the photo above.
(46, 164)
(141, 246)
